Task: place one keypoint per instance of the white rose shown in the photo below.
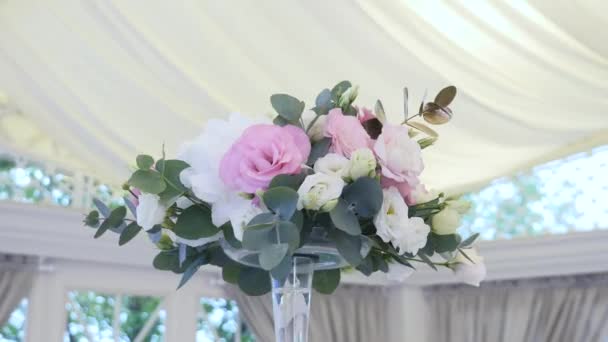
(204, 155)
(460, 205)
(316, 131)
(333, 164)
(468, 272)
(362, 163)
(394, 226)
(320, 191)
(446, 221)
(150, 211)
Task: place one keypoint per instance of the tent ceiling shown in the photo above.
(98, 81)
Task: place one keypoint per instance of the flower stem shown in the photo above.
(312, 123)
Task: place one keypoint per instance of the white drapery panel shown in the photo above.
(98, 81)
(549, 310)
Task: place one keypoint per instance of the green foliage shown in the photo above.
(147, 181)
(290, 181)
(254, 281)
(326, 282)
(345, 219)
(281, 201)
(271, 255)
(144, 161)
(349, 246)
(129, 233)
(324, 102)
(364, 196)
(318, 150)
(113, 221)
(92, 219)
(288, 107)
(195, 223)
(191, 269)
(170, 171)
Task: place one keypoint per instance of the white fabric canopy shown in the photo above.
(96, 82)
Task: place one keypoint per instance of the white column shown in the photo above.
(410, 316)
(46, 314)
(182, 312)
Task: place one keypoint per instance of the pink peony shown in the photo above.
(262, 152)
(365, 114)
(346, 133)
(399, 155)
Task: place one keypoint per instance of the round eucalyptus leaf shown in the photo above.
(195, 223)
(147, 181)
(254, 281)
(258, 237)
(282, 201)
(290, 181)
(231, 272)
(166, 261)
(286, 232)
(364, 195)
(444, 243)
(318, 150)
(129, 233)
(287, 106)
(344, 219)
(144, 161)
(349, 246)
(281, 271)
(272, 255)
(445, 96)
(326, 282)
(339, 89)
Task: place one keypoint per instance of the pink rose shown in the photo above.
(262, 152)
(346, 133)
(399, 155)
(365, 114)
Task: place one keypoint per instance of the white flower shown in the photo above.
(333, 164)
(316, 131)
(150, 211)
(399, 156)
(446, 221)
(240, 218)
(467, 271)
(394, 226)
(204, 155)
(320, 191)
(460, 205)
(362, 163)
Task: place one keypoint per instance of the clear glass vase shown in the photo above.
(291, 301)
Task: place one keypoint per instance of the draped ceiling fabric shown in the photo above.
(94, 82)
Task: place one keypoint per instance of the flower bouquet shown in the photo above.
(288, 204)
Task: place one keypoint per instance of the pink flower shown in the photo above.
(262, 152)
(405, 189)
(346, 133)
(135, 192)
(364, 114)
(399, 155)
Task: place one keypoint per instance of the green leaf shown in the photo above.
(403, 261)
(298, 219)
(290, 181)
(287, 106)
(195, 223)
(113, 221)
(326, 282)
(279, 121)
(254, 281)
(379, 263)
(103, 209)
(344, 219)
(191, 270)
(364, 195)
(92, 219)
(366, 266)
(324, 102)
(339, 89)
(349, 246)
(144, 162)
(446, 96)
(258, 237)
(170, 171)
(444, 243)
(318, 150)
(469, 241)
(282, 201)
(286, 232)
(166, 261)
(281, 271)
(379, 111)
(230, 272)
(229, 236)
(129, 233)
(147, 181)
(427, 260)
(271, 256)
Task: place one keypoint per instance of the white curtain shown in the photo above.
(351, 314)
(15, 283)
(541, 310)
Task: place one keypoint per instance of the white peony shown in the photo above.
(446, 221)
(320, 191)
(394, 226)
(316, 131)
(204, 155)
(362, 163)
(150, 211)
(468, 272)
(333, 164)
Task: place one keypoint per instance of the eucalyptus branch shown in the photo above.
(312, 122)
